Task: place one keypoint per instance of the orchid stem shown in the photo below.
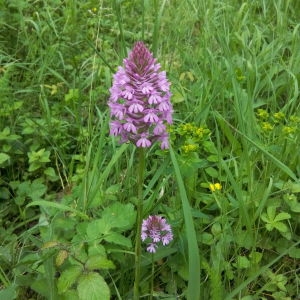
(141, 171)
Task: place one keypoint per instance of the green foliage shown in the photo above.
(230, 188)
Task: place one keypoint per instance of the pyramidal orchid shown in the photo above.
(156, 230)
(139, 102)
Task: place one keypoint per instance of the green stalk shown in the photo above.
(141, 171)
(152, 278)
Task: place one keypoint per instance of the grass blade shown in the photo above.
(193, 251)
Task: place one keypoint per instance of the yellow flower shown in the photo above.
(294, 119)
(279, 116)
(262, 114)
(215, 187)
(189, 148)
(94, 9)
(266, 126)
(288, 130)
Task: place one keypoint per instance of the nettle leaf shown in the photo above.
(120, 215)
(118, 239)
(67, 278)
(97, 228)
(37, 189)
(97, 262)
(92, 286)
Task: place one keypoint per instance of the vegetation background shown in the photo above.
(230, 188)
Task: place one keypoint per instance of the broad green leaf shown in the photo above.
(294, 253)
(97, 228)
(37, 189)
(8, 293)
(67, 278)
(91, 286)
(97, 262)
(118, 239)
(4, 157)
(120, 215)
(69, 295)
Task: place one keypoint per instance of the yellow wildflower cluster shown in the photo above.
(189, 148)
(189, 136)
(262, 114)
(215, 187)
(277, 122)
(190, 130)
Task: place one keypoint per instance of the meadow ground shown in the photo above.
(228, 186)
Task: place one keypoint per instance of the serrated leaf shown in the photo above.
(97, 262)
(97, 228)
(282, 216)
(92, 286)
(118, 239)
(67, 278)
(120, 215)
(37, 189)
(212, 172)
(280, 227)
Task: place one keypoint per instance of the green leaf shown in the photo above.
(271, 212)
(8, 293)
(294, 253)
(118, 239)
(97, 228)
(97, 262)
(67, 278)
(193, 250)
(50, 172)
(4, 157)
(281, 226)
(120, 215)
(37, 189)
(69, 295)
(242, 262)
(58, 206)
(282, 216)
(92, 286)
(212, 172)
